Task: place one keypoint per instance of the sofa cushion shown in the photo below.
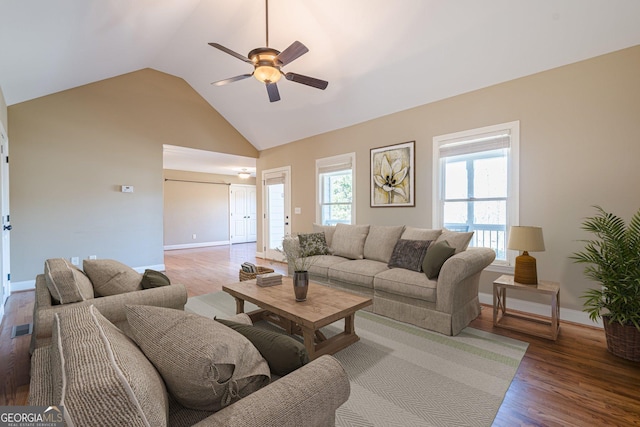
(328, 231)
(154, 279)
(283, 353)
(413, 233)
(436, 257)
(65, 281)
(320, 266)
(409, 254)
(110, 277)
(313, 244)
(98, 372)
(380, 242)
(358, 272)
(458, 240)
(406, 283)
(348, 240)
(205, 365)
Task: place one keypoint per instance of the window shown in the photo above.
(336, 190)
(476, 185)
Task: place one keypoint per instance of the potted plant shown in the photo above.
(613, 259)
(301, 257)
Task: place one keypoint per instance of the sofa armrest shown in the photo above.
(111, 307)
(457, 282)
(308, 396)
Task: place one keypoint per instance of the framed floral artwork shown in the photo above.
(393, 175)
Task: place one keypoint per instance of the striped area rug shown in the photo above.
(402, 375)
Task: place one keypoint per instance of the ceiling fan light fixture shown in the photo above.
(244, 174)
(267, 74)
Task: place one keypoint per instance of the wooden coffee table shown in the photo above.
(324, 305)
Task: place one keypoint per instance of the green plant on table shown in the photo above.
(613, 258)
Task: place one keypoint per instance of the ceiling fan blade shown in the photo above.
(231, 79)
(272, 90)
(230, 52)
(306, 80)
(293, 52)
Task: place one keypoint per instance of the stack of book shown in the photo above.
(269, 279)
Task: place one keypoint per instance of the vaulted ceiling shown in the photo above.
(378, 56)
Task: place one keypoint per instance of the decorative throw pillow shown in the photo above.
(458, 240)
(328, 231)
(94, 366)
(66, 282)
(154, 279)
(409, 254)
(381, 241)
(110, 277)
(313, 244)
(413, 233)
(283, 353)
(348, 240)
(205, 365)
(437, 254)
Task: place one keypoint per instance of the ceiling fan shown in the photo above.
(267, 63)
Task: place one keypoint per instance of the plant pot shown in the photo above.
(301, 285)
(622, 340)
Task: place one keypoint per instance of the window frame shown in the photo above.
(335, 161)
(513, 180)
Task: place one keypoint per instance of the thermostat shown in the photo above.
(127, 188)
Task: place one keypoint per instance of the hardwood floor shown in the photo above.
(573, 381)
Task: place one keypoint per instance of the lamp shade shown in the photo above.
(524, 238)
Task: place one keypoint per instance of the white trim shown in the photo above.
(157, 267)
(286, 171)
(260, 255)
(196, 245)
(566, 314)
(26, 285)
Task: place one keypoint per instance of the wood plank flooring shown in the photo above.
(573, 381)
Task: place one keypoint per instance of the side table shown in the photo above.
(534, 325)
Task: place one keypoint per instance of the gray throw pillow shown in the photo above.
(313, 244)
(409, 254)
(283, 353)
(66, 282)
(436, 257)
(154, 279)
(110, 277)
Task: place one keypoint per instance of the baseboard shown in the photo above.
(260, 255)
(566, 314)
(196, 245)
(28, 285)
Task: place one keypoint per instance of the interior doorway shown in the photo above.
(5, 246)
(242, 213)
(277, 210)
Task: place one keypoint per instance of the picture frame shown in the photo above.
(392, 171)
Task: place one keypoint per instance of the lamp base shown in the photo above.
(526, 272)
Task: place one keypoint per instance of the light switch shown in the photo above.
(297, 211)
(127, 188)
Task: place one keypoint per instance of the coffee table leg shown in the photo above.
(308, 336)
(239, 305)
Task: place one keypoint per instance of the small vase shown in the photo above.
(301, 285)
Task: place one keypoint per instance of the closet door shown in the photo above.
(242, 210)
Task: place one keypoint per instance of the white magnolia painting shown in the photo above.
(392, 175)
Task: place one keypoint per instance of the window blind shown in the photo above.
(486, 142)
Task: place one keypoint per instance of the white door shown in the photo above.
(277, 210)
(242, 213)
(5, 271)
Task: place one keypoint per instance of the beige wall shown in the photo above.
(579, 128)
(71, 152)
(196, 207)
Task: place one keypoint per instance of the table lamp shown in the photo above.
(526, 239)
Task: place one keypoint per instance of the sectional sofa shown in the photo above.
(370, 260)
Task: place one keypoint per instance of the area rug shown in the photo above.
(402, 375)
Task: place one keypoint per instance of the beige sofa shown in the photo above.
(102, 377)
(111, 306)
(358, 261)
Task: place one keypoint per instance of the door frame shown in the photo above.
(248, 219)
(286, 170)
(5, 242)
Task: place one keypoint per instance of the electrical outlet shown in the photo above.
(193, 236)
(75, 260)
(93, 257)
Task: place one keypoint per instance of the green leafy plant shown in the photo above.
(614, 262)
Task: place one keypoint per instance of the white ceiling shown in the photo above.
(188, 159)
(378, 56)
